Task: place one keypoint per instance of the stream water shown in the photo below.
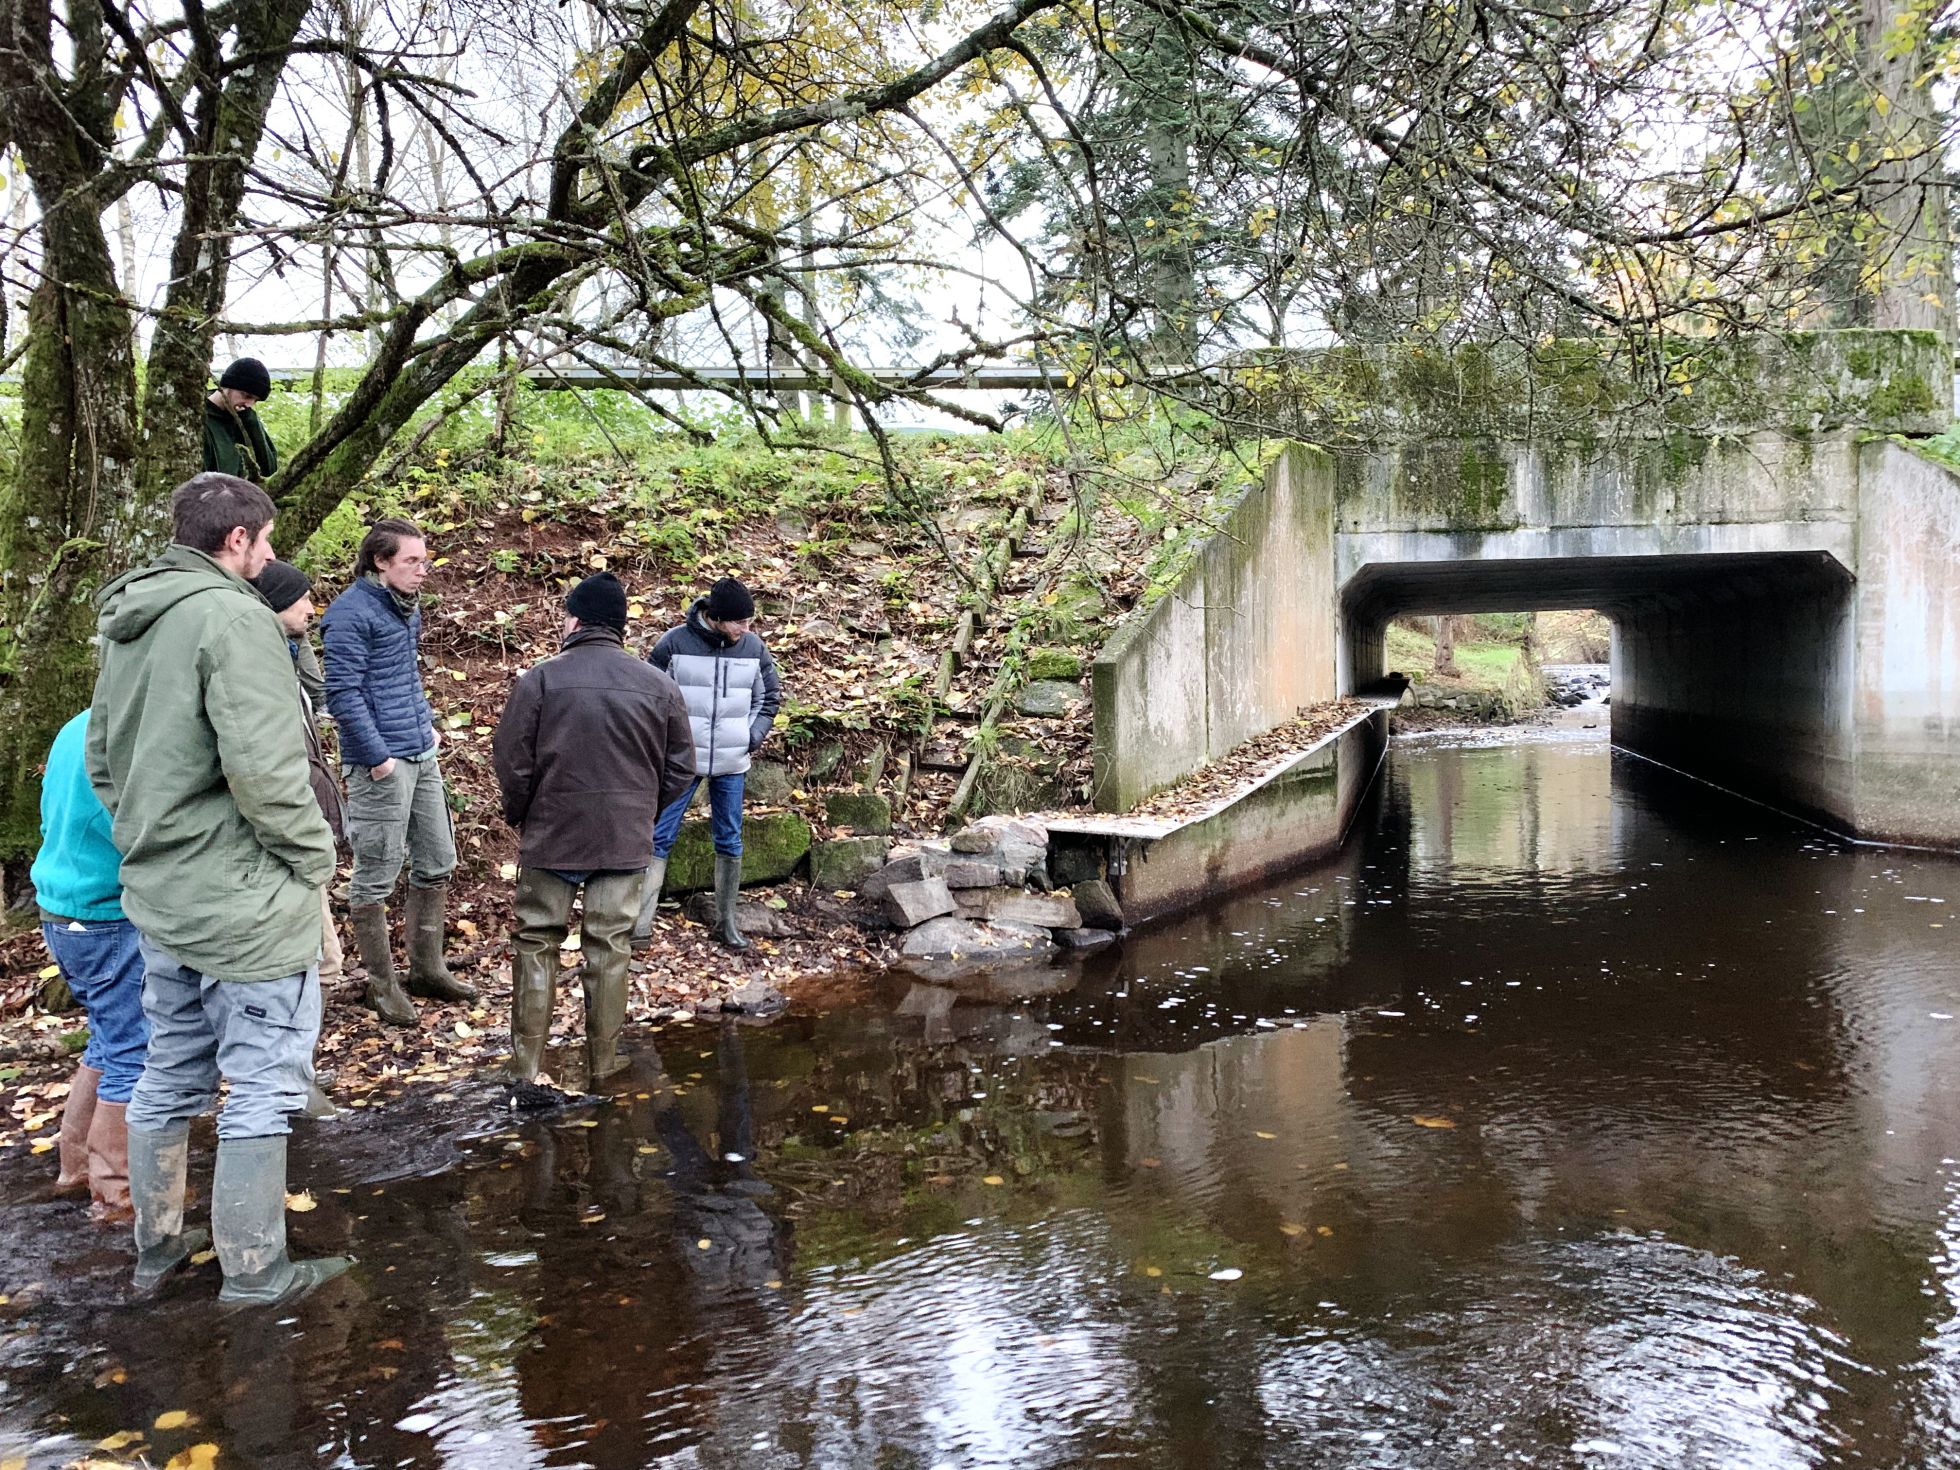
(1574, 1115)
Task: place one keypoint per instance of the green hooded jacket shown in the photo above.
(237, 444)
(194, 748)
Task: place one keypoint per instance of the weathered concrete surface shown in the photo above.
(1295, 816)
(1242, 643)
(1785, 604)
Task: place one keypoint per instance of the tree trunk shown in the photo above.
(1915, 271)
(1445, 661)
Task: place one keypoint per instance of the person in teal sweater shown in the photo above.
(78, 886)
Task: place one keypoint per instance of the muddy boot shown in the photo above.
(531, 978)
(156, 1190)
(605, 1013)
(649, 901)
(428, 973)
(728, 892)
(385, 996)
(76, 1117)
(318, 1107)
(108, 1163)
(248, 1217)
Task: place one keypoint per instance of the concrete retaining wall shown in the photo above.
(1907, 699)
(1245, 640)
(1298, 816)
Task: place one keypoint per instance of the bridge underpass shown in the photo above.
(1785, 596)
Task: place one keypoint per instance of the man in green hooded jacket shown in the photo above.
(194, 749)
(235, 442)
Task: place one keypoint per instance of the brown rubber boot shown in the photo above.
(385, 996)
(428, 972)
(108, 1163)
(76, 1117)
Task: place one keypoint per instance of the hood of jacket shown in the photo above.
(128, 606)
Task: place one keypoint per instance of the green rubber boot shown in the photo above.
(531, 975)
(427, 921)
(157, 1160)
(248, 1217)
(728, 892)
(649, 901)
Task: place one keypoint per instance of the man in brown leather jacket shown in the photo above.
(592, 744)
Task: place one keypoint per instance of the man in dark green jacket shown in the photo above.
(235, 442)
(194, 748)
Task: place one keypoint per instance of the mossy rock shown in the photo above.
(845, 862)
(825, 759)
(768, 783)
(863, 811)
(773, 846)
(1054, 663)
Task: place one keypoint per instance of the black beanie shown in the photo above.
(729, 601)
(282, 584)
(248, 375)
(599, 602)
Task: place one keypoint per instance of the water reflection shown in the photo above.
(1574, 1115)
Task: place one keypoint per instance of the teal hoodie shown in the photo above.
(76, 874)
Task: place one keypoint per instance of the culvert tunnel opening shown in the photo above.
(1737, 668)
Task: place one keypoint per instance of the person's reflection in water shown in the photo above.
(276, 1374)
(619, 1368)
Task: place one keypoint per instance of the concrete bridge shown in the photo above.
(1780, 565)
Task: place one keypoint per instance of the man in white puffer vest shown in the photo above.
(729, 682)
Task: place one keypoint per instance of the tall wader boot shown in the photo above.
(728, 892)
(428, 972)
(108, 1162)
(77, 1114)
(531, 979)
(248, 1220)
(649, 901)
(385, 996)
(604, 943)
(157, 1159)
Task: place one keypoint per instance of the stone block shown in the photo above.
(1097, 904)
(905, 867)
(990, 834)
(945, 938)
(1050, 698)
(825, 759)
(908, 905)
(773, 845)
(861, 811)
(973, 870)
(845, 862)
(1074, 859)
(756, 920)
(768, 783)
(1054, 663)
(1080, 940)
(1043, 910)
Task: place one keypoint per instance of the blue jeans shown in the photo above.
(103, 967)
(257, 1034)
(724, 801)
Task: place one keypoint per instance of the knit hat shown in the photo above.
(282, 584)
(729, 602)
(599, 602)
(248, 375)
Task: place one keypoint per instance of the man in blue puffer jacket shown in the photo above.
(729, 682)
(396, 806)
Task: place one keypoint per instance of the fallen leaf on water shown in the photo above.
(1326, 1230)
(1229, 1273)
(202, 1256)
(1151, 1163)
(300, 1203)
(1288, 1227)
(389, 1345)
(592, 1219)
(588, 1123)
(993, 1179)
(1260, 1133)
(42, 1146)
(819, 1107)
(121, 1439)
(1153, 1270)
(197, 1457)
(704, 1244)
(1422, 1120)
(173, 1419)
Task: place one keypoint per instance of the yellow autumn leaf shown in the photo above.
(300, 1203)
(1153, 1270)
(704, 1244)
(1324, 1230)
(48, 972)
(1261, 1133)
(42, 1146)
(173, 1419)
(1289, 1227)
(203, 1256)
(15, 1462)
(1423, 1120)
(993, 1179)
(465, 1030)
(507, 872)
(197, 1457)
(121, 1439)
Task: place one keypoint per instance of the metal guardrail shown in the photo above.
(983, 379)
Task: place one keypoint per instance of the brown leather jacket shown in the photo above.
(326, 785)
(592, 744)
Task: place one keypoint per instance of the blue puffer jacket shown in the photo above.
(374, 677)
